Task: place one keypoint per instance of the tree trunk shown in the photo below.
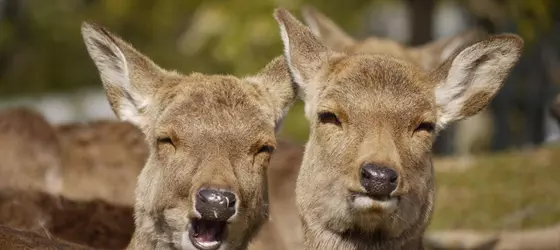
(421, 20)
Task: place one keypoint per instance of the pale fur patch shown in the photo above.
(53, 180)
(463, 82)
(115, 73)
(367, 203)
(287, 53)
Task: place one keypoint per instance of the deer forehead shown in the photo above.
(366, 80)
(220, 106)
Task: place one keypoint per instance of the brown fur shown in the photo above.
(79, 161)
(281, 185)
(101, 160)
(283, 230)
(387, 111)
(28, 139)
(93, 223)
(201, 131)
(427, 56)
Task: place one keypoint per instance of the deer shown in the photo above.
(366, 180)
(210, 138)
(282, 174)
(427, 56)
(470, 133)
(27, 138)
(77, 160)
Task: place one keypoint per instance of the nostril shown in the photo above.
(365, 174)
(392, 175)
(215, 204)
(230, 199)
(201, 196)
(394, 178)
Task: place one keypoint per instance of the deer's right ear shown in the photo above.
(129, 78)
(304, 53)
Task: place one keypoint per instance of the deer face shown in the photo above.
(367, 175)
(210, 139)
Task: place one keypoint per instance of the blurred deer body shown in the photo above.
(77, 161)
(204, 182)
(366, 181)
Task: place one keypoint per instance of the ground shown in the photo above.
(511, 190)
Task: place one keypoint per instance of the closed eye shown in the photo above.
(266, 149)
(165, 140)
(328, 117)
(426, 126)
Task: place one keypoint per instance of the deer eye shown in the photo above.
(426, 126)
(266, 149)
(165, 140)
(329, 117)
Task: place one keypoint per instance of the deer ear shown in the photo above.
(304, 53)
(326, 29)
(469, 81)
(129, 78)
(433, 54)
(280, 92)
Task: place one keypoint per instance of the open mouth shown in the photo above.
(207, 234)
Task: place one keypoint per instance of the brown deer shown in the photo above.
(366, 181)
(101, 160)
(80, 161)
(209, 137)
(100, 163)
(471, 134)
(282, 176)
(27, 139)
(427, 56)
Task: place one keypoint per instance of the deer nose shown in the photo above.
(217, 205)
(378, 180)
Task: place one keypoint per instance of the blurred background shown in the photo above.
(44, 65)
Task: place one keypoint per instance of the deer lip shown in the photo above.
(365, 202)
(207, 234)
(355, 195)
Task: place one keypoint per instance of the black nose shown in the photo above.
(378, 180)
(217, 205)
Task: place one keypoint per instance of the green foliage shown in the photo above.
(41, 49)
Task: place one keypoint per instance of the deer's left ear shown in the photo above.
(468, 82)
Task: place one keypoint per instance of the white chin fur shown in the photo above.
(363, 202)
